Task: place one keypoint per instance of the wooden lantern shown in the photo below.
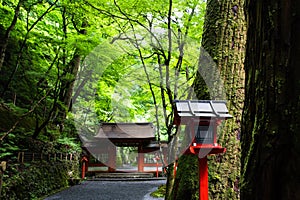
(201, 118)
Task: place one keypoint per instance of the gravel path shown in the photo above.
(110, 190)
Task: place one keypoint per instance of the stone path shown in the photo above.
(110, 190)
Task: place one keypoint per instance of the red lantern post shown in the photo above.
(202, 118)
(156, 159)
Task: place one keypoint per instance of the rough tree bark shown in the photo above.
(224, 40)
(271, 116)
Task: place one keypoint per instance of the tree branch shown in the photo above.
(23, 116)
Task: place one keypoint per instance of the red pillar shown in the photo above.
(83, 170)
(203, 178)
(84, 161)
(156, 159)
(140, 159)
(112, 157)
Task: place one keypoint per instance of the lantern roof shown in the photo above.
(201, 108)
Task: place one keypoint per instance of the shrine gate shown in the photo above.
(101, 150)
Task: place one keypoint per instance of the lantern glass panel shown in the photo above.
(204, 134)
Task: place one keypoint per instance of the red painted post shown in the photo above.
(112, 158)
(83, 170)
(140, 159)
(203, 178)
(84, 160)
(156, 159)
(156, 169)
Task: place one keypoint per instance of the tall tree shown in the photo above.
(160, 34)
(5, 40)
(271, 116)
(224, 40)
(46, 42)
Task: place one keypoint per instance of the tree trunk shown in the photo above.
(4, 41)
(66, 88)
(271, 116)
(224, 40)
(69, 75)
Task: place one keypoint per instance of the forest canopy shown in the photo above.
(92, 62)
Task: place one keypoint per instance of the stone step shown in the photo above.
(124, 175)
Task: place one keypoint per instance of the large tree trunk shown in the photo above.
(70, 72)
(66, 88)
(271, 117)
(224, 40)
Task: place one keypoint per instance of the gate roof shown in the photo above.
(126, 131)
(122, 134)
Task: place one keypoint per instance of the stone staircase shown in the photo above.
(124, 175)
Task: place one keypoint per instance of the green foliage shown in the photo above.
(70, 143)
(37, 179)
(47, 35)
(131, 39)
(9, 148)
(160, 192)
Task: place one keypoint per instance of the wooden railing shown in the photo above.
(25, 157)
